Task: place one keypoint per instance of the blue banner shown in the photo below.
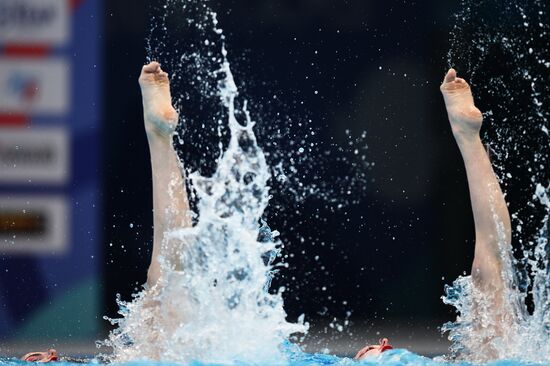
(50, 173)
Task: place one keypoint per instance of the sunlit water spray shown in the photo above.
(213, 303)
(502, 47)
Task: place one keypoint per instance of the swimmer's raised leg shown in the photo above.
(170, 201)
(492, 220)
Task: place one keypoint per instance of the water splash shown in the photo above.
(502, 47)
(212, 302)
(295, 145)
(301, 151)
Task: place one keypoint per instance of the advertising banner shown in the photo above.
(50, 192)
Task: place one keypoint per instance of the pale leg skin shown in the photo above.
(170, 202)
(486, 195)
(492, 220)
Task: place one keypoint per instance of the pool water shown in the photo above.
(389, 358)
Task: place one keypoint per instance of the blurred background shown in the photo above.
(75, 186)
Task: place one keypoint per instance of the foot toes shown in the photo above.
(152, 67)
(153, 73)
(451, 76)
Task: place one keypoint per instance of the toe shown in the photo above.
(152, 67)
(152, 73)
(161, 77)
(451, 76)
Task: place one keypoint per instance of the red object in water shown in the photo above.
(374, 350)
(48, 356)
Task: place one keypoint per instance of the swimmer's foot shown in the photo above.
(160, 116)
(465, 117)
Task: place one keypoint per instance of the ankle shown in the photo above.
(156, 127)
(158, 137)
(464, 135)
(468, 143)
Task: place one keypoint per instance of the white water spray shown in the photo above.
(213, 305)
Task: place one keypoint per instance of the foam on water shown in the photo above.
(511, 38)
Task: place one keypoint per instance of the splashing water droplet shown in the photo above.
(213, 301)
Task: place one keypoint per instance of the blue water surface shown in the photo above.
(390, 358)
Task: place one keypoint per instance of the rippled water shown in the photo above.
(390, 358)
